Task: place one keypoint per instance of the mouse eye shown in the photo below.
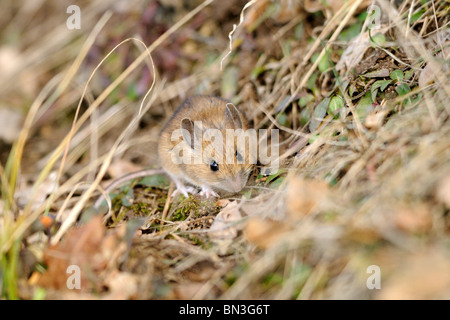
(214, 166)
(238, 156)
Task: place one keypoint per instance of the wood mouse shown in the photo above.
(209, 167)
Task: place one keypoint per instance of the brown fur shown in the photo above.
(213, 113)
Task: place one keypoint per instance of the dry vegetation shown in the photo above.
(364, 120)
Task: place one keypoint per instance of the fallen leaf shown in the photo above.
(282, 11)
(224, 225)
(121, 285)
(381, 73)
(222, 203)
(359, 234)
(414, 219)
(254, 12)
(89, 248)
(354, 52)
(264, 232)
(375, 120)
(303, 196)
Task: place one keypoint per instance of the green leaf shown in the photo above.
(319, 113)
(379, 39)
(378, 85)
(283, 119)
(416, 16)
(277, 183)
(313, 138)
(39, 293)
(132, 92)
(351, 89)
(157, 180)
(402, 89)
(303, 101)
(362, 16)
(382, 84)
(397, 75)
(381, 73)
(283, 104)
(364, 106)
(374, 94)
(323, 63)
(299, 31)
(304, 117)
(311, 82)
(275, 175)
(256, 72)
(418, 98)
(409, 74)
(335, 106)
(128, 197)
(229, 83)
(351, 32)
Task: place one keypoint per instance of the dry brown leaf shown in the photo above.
(264, 233)
(87, 247)
(121, 285)
(224, 225)
(354, 52)
(303, 196)
(78, 248)
(361, 235)
(222, 203)
(286, 10)
(375, 120)
(254, 12)
(414, 219)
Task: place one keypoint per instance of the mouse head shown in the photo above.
(223, 150)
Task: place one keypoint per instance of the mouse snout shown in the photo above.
(236, 184)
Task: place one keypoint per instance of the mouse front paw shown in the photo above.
(206, 191)
(184, 191)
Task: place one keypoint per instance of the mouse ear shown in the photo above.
(233, 115)
(190, 131)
